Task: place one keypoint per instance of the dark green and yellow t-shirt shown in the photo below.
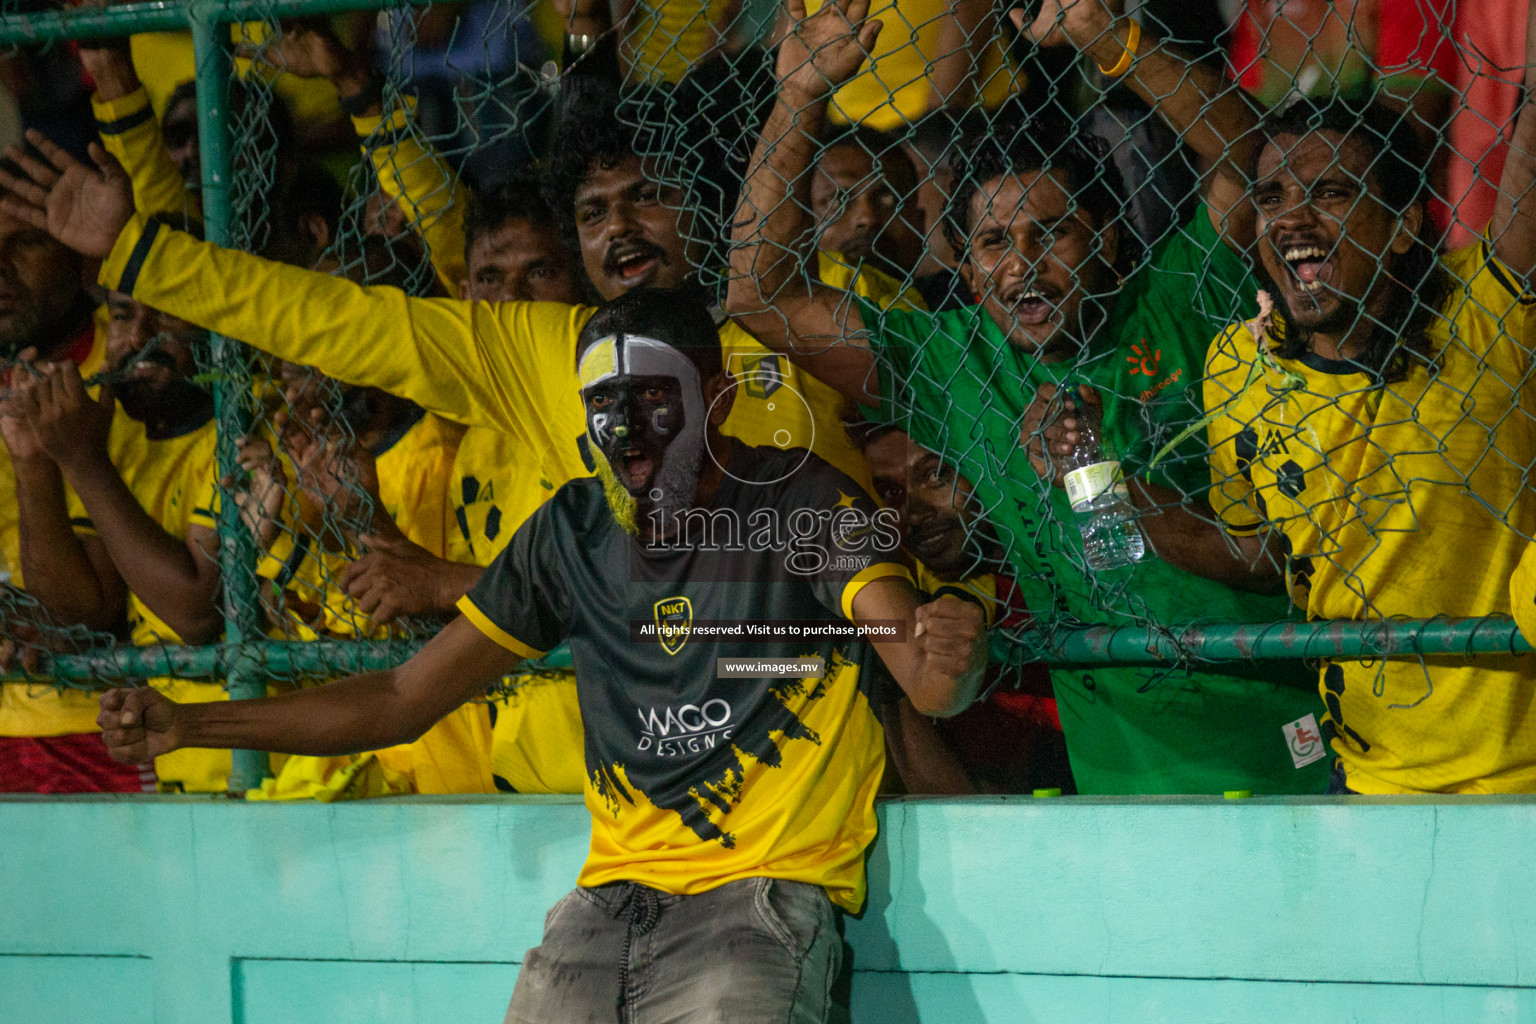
(954, 382)
(694, 779)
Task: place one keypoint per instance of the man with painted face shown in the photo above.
(129, 474)
(730, 815)
(1375, 434)
(1035, 222)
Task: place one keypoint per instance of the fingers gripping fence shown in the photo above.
(1001, 212)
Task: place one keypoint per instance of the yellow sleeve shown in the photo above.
(979, 590)
(484, 624)
(1491, 311)
(1226, 375)
(508, 366)
(131, 133)
(79, 519)
(866, 576)
(428, 191)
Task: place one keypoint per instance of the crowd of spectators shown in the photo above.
(939, 246)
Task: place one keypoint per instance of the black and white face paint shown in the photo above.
(645, 416)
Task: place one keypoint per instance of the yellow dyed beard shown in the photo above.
(625, 509)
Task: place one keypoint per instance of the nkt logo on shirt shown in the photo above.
(673, 617)
(690, 729)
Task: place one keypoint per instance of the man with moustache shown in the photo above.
(1010, 742)
(1375, 432)
(1035, 223)
(129, 474)
(730, 815)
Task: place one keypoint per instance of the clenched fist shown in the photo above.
(138, 725)
(951, 635)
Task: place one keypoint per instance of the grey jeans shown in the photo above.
(758, 950)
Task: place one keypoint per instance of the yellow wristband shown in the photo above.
(1124, 63)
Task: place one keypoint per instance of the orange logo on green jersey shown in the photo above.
(1143, 360)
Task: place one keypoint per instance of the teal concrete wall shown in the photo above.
(188, 911)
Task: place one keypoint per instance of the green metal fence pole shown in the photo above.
(1284, 640)
(245, 677)
(313, 659)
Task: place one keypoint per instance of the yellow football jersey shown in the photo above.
(510, 366)
(1522, 594)
(453, 756)
(868, 282)
(425, 185)
(414, 468)
(176, 482)
(164, 60)
(496, 483)
(536, 744)
(1398, 500)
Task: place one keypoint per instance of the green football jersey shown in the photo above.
(954, 382)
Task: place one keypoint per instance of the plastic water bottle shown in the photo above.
(1101, 503)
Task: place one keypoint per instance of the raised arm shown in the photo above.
(786, 309)
(409, 170)
(964, 31)
(1209, 113)
(365, 712)
(942, 659)
(1513, 227)
(70, 575)
(474, 363)
(131, 133)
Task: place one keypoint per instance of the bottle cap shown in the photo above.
(1053, 791)
(1238, 794)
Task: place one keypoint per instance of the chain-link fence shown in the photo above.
(976, 269)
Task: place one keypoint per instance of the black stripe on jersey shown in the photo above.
(949, 590)
(392, 438)
(81, 523)
(126, 122)
(138, 256)
(291, 565)
(1492, 263)
(386, 137)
